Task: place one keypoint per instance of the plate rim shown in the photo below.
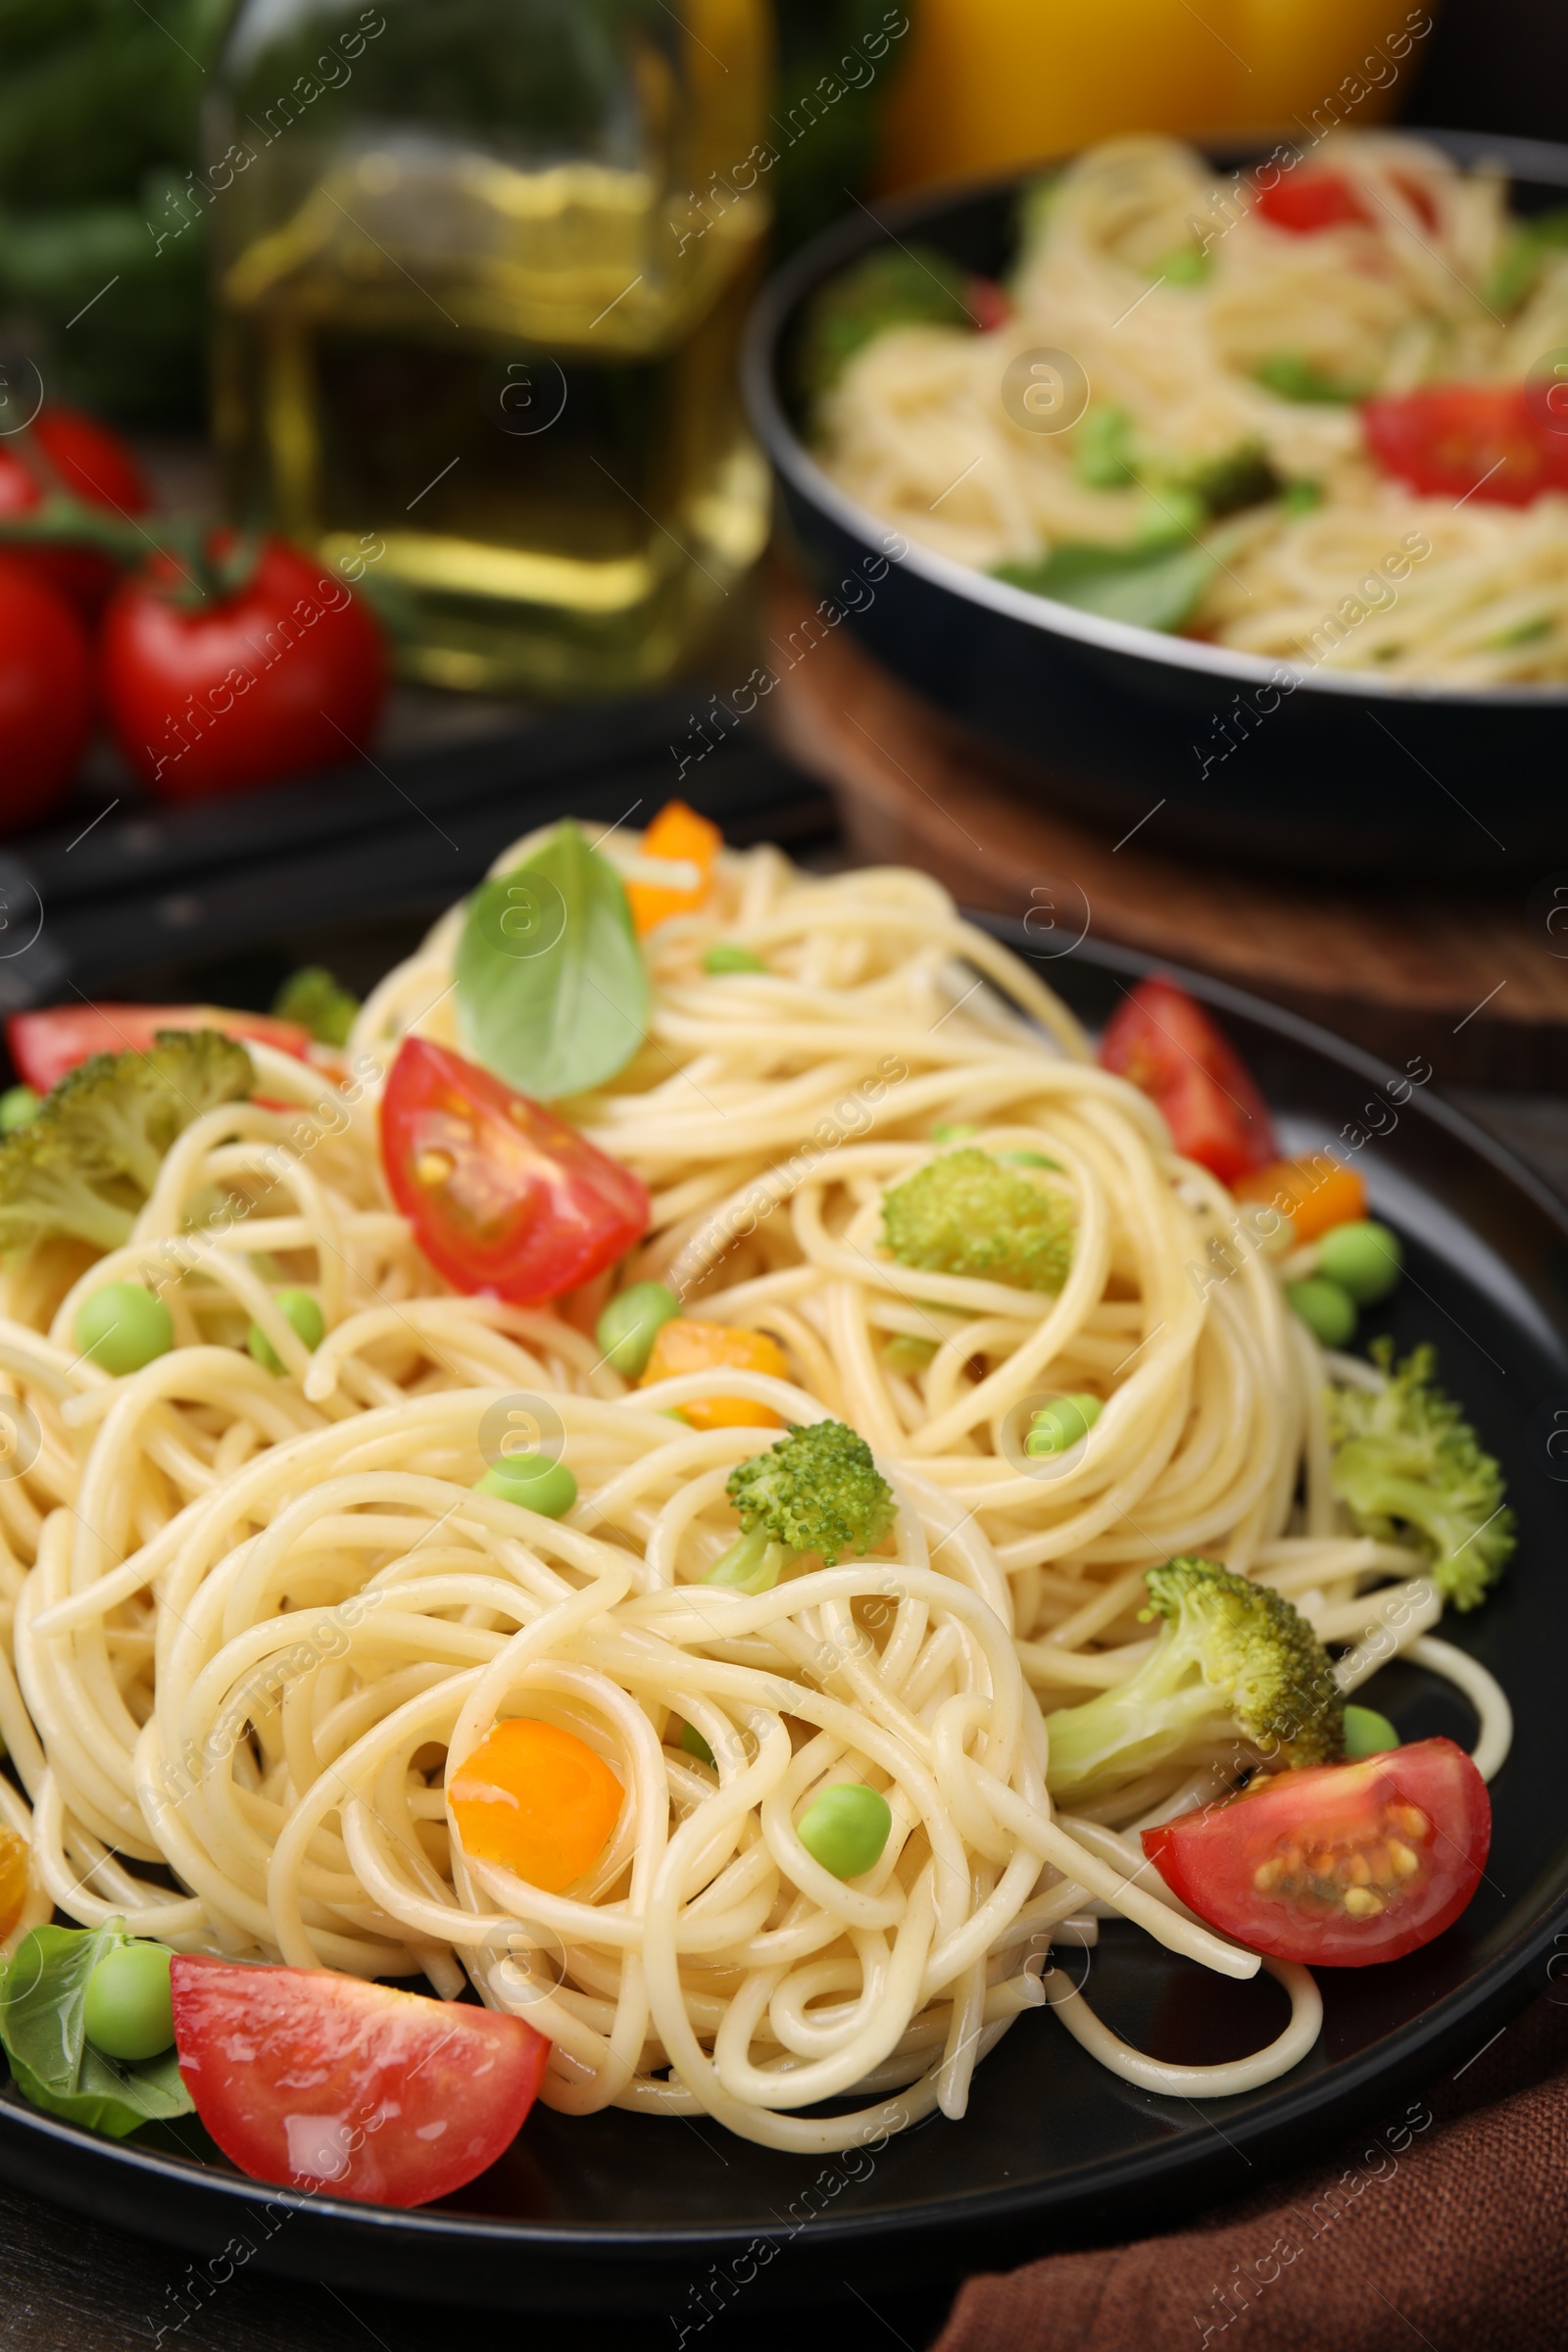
(1306, 2114)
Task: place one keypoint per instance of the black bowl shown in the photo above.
(1347, 772)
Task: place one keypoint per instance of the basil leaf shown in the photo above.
(42, 1997)
(1153, 587)
(552, 986)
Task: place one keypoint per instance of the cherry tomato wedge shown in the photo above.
(44, 1045)
(1168, 1046)
(502, 1195)
(1499, 444)
(1340, 1864)
(1304, 202)
(324, 2081)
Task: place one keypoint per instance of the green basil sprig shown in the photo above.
(1153, 585)
(552, 986)
(43, 1994)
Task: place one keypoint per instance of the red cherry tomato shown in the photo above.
(1495, 442)
(1303, 202)
(991, 303)
(502, 1195)
(1338, 1864)
(324, 2081)
(44, 1045)
(63, 450)
(45, 694)
(286, 674)
(1168, 1046)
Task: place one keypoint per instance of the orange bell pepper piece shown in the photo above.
(538, 1800)
(686, 1347)
(1315, 1193)
(683, 838)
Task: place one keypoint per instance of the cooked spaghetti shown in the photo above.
(1265, 365)
(260, 1619)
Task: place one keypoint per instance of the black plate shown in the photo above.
(622, 2212)
(1349, 772)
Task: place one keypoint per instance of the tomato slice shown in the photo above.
(1498, 443)
(1338, 1864)
(44, 1045)
(1168, 1046)
(1304, 202)
(320, 2080)
(503, 1196)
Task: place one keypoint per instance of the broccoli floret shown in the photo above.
(1234, 1660)
(816, 1490)
(1409, 1465)
(968, 1213)
(83, 1166)
(312, 997)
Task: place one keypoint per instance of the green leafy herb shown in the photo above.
(1296, 377)
(1102, 450)
(43, 1998)
(1523, 255)
(896, 286)
(1156, 587)
(551, 987)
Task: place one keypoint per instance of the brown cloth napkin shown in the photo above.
(1444, 2224)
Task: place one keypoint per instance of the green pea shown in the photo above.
(691, 1741)
(127, 2012)
(1055, 1427)
(725, 957)
(1326, 1308)
(19, 1107)
(904, 1353)
(1367, 1732)
(953, 1131)
(1363, 1257)
(1188, 266)
(533, 1479)
(300, 1310)
(122, 1327)
(630, 1324)
(845, 1829)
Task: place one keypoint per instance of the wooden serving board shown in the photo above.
(1468, 979)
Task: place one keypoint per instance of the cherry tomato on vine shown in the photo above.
(278, 668)
(45, 694)
(65, 451)
(1337, 1864)
(503, 1196)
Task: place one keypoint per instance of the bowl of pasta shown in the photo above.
(623, 1559)
(1234, 483)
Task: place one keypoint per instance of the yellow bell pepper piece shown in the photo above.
(686, 1347)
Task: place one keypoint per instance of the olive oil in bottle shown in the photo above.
(472, 317)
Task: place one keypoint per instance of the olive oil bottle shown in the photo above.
(472, 316)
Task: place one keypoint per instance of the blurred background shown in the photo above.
(403, 338)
